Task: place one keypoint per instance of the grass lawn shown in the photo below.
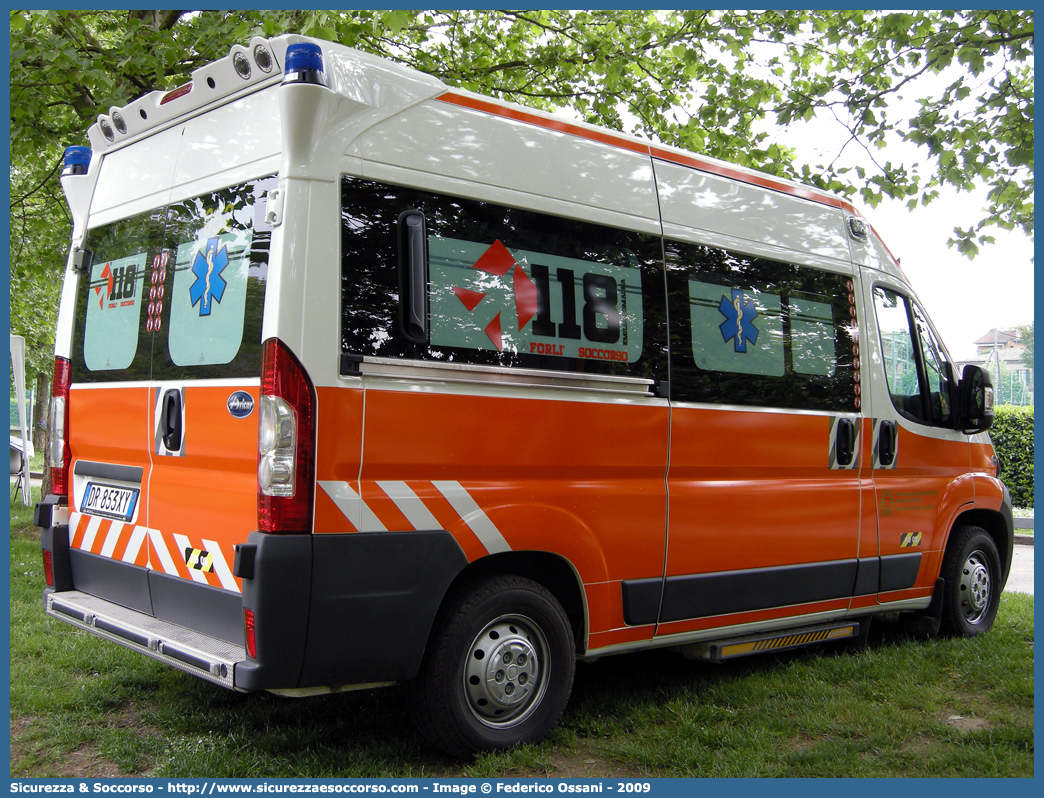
(900, 707)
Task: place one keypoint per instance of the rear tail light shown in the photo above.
(251, 637)
(286, 443)
(48, 569)
(59, 421)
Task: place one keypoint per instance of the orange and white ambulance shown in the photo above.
(361, 379)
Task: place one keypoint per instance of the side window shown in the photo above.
(916, 369)
(752, 331)
(503, 286)
(937, 369)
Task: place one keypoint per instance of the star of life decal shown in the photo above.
(739, 320)
(208, 265)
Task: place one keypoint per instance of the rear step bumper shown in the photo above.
(203, 656)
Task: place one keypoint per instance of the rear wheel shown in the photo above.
(972, 572)
(498, 670)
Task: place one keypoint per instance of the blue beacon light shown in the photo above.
(77, 161)
(304, 64)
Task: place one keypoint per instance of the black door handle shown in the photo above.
(170, 420)
(413, 276)
(846, 436)
(886, 442)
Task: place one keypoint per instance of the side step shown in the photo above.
(201, 655)
(720, 650)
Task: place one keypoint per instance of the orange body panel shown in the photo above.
(583, 480)
(338, 449)
(110, 425)
(204, 500)
(755, 490)
(339, 421)
(208, 496)
(922, 495)
(775, 613)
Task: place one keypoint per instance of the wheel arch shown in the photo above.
(997, 525)
(552, 571)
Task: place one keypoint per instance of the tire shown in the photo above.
(498, 670)
(972, 572)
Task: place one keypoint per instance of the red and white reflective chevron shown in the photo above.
(126, 542)
(365, 516)
(113, 539)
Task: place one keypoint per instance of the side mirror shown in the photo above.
(976, 400)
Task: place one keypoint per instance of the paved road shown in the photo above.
(1021, 578)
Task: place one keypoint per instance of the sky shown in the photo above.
(964, 298)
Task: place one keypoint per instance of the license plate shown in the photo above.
(109, 501)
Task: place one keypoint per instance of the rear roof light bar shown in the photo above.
(243, 67)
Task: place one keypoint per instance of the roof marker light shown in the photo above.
(173, 94)
(263, 58)
(304, 64)
(242, 65)
(106, 128)
(77, 161)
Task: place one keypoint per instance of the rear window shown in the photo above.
(178, 292)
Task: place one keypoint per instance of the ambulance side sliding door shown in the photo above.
(764, 482)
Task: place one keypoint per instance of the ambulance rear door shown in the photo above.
(165, 367)
(204, 392)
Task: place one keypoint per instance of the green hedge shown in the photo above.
(1012, 434)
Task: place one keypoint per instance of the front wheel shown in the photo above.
(972, 572)
(498, 670)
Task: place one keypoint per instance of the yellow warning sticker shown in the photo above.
(909, 540)
(199, 560)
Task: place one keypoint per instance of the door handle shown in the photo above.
(170, 420)
(413, 276)
(846, 437)
(886, 442)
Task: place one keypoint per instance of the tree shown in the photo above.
(1026, 339)
(1027, 355)
(714, 82)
